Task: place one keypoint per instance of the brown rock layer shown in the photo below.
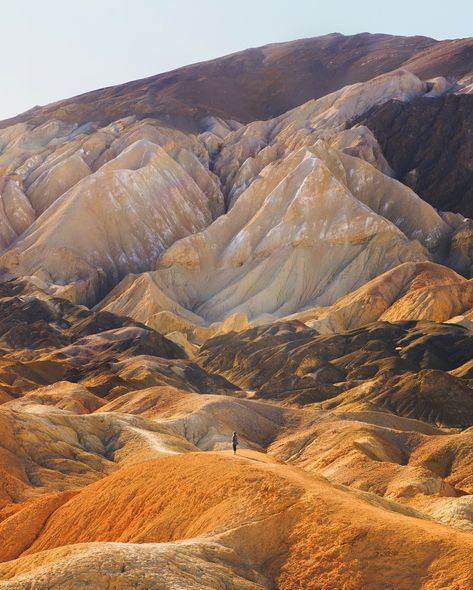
(428, 142)
(261, 83)
(405, 367)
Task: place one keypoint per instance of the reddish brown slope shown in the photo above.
(261, 83)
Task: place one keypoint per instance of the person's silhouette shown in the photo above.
(234, 442)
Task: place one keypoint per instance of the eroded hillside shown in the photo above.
(275, 243)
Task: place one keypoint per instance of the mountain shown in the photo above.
(163, 185)
(410, 291)
(433, 157)
(260, 83)
(45, 340)
(413, 369)
(313, 214)
(276, 243)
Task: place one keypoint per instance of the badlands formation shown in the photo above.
(278, 243)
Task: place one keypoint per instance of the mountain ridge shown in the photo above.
(314, 64)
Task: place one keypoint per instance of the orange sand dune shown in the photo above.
(291, 526)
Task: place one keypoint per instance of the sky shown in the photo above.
(54, 49)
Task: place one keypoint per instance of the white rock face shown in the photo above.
(56, 180)
(38, 165)
(311, 228)
(16, 212)
(313, 214)
(312, 211)
(109, 201)
(245, 152)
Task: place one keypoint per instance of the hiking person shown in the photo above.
(234, 442)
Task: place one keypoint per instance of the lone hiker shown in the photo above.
(234, 442)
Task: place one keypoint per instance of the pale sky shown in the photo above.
(54, 49)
